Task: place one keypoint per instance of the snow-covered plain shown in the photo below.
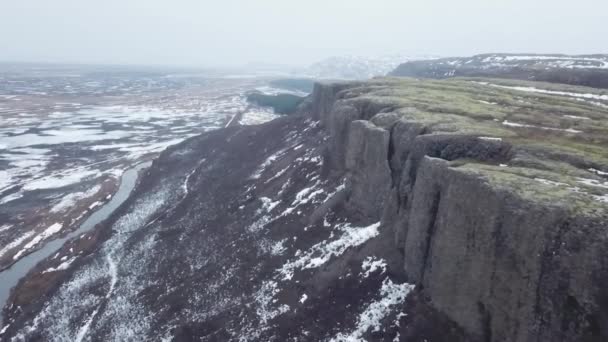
(251, 269)
(61, 138)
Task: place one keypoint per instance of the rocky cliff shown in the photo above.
(393, 209)
(495, 229)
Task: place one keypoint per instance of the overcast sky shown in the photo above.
(230, 32)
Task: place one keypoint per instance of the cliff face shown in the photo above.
(503, 257)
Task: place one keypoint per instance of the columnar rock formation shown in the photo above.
(506, 255)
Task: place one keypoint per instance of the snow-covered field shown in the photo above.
(65, 141)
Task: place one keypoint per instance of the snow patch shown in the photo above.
(516, 124)
(549, 92)
(271, 159)
(5, 227)
(550, 182)
(593, 182)
(598, 172)
(322, 252)
(371, 265)
(16, 243)
(490, 138)
(277, 175)
(70, 200)
(264, 297)
(52, 229)
(258, 116)
(62, 267)
(59, 180)
(306, 195)
(278, 248)
(4, 329)
(603, 199)
(575, 117)
(391, 294)
(268, 204)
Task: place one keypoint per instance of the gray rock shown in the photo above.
(324, 96)
(502, 267)
(338, 125)
(385, 120)
(368, 172)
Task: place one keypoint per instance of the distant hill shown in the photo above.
(587, 70)
(354, 67)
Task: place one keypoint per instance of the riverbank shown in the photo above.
(36, 273)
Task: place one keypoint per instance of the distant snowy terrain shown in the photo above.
(356, 67)
(65, 141)
(586, 70)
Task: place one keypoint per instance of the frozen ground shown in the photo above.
(66, 136)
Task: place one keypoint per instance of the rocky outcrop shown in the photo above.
(501, 263)
(367, 167)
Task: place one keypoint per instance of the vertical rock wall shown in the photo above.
(502, 267)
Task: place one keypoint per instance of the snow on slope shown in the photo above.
(176, 263)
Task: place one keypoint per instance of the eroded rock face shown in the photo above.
(477, 252)
(503, 267)
(324, 96)
(368, 172)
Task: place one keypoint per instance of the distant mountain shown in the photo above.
(587, 70)
(355, 67)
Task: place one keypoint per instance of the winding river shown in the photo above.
(11, 276)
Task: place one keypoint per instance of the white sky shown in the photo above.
(230, 32)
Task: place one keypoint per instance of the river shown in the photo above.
(11, 276)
